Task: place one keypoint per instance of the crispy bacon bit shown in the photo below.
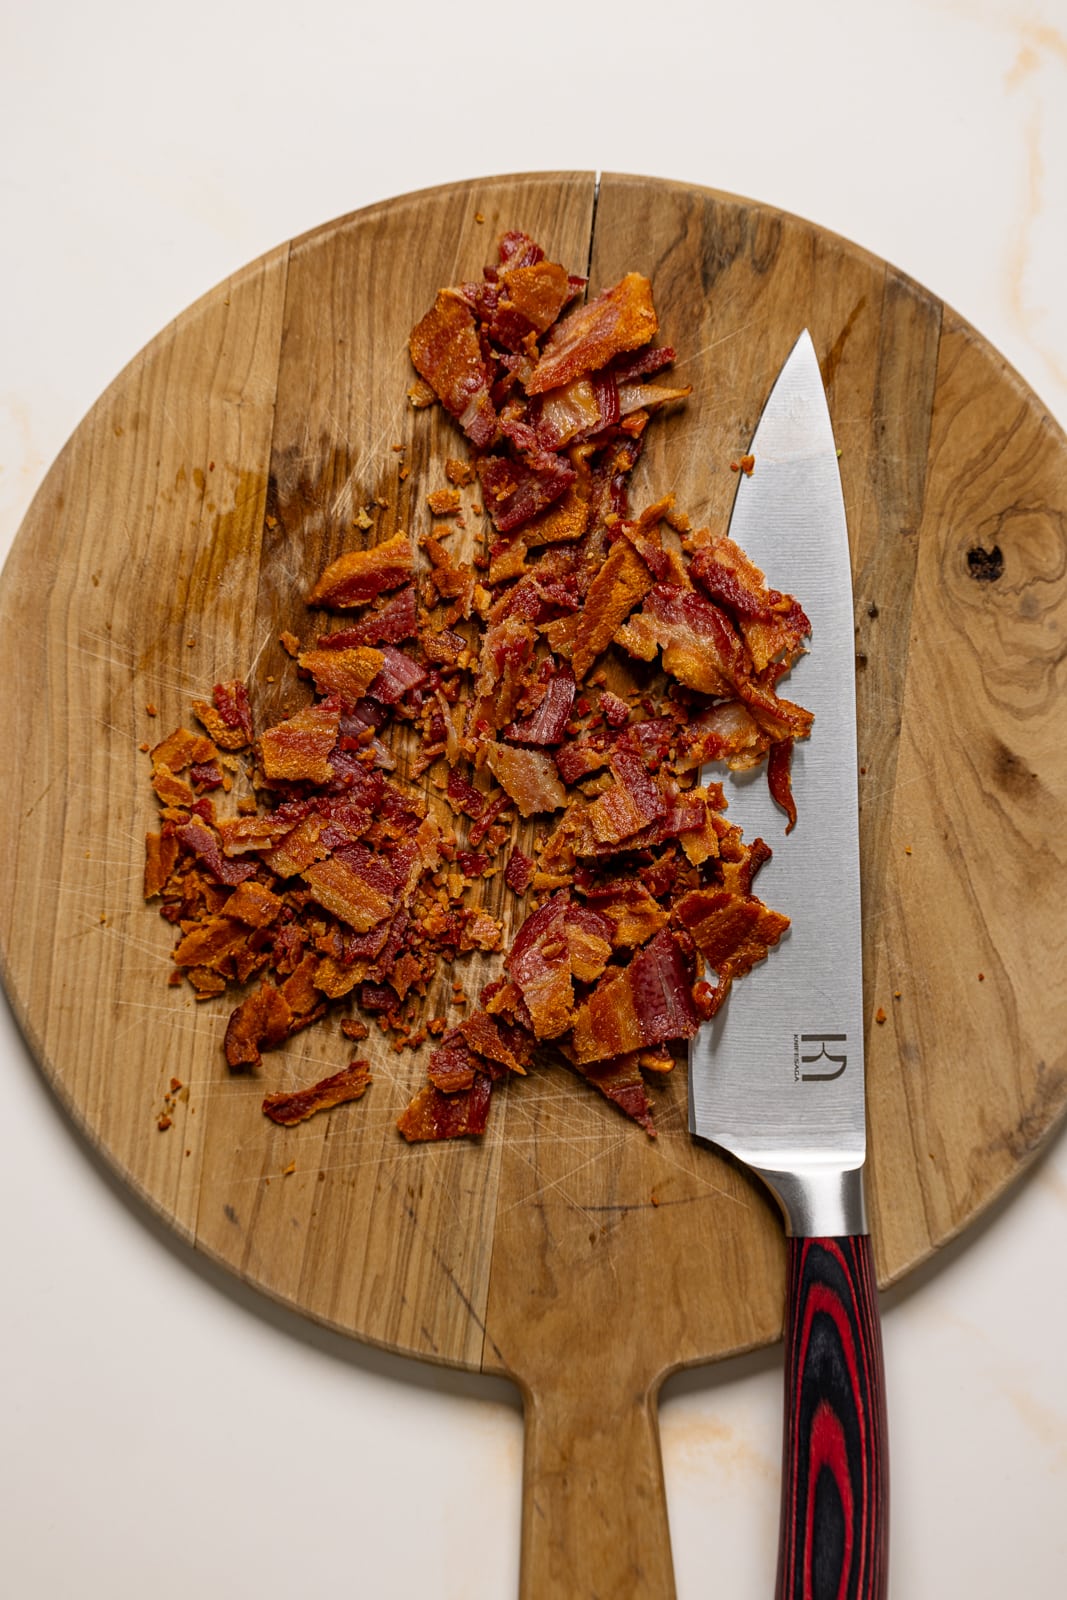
(395, 620)
(228, 719)
(446, 351)
(731, 931)
(548, 724)
(642, 1004)
(362, 575)
(621, 584)
(779, 778)
(622, 318)
(517, 873)
(529, 777)
(289, 1109)
(433, 1115)
(346, 673)
(297, 750)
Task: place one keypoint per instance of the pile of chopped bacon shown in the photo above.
(578, 667)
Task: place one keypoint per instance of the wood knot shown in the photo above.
(985, 566)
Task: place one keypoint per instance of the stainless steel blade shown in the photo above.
(778, 1078)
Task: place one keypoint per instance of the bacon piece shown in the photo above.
(579, 757)
(202, 841)
(572, 412)
(700, 646)
(642, 1004)
(731, 931)
(780, 782)
(399, 675)
(632, 914)
(630, 804)
(548, 723)
(344, 672)
(517, 488)
(463, 796)
(182, 749)
(453, 1066)
(618, 587)
(621, 318)
(619, 1080)
(255, 904)
(433, 1115)
(778, 717)
(297, 750)
(390, 623)
(161, 855)
(538, 965)
(446, 351)
(528, 776)
(518, 872)
(773, 624)
(228, 719)
(495, 1043)
(359, 576)
(172, 790)
(535, 293)
(258, 1023)
(506, 649)
(350, 1083)
(358, 886)
(725, 732)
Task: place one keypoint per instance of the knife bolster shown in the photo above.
(819, 1202)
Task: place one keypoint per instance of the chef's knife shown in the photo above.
(778, 1078)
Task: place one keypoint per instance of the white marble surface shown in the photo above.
(147, 151)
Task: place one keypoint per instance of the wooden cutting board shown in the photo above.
(174, 539)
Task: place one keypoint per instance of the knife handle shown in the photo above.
(835, 1484)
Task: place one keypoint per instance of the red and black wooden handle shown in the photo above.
(835, 1488)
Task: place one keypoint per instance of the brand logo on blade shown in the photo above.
(805, 1054)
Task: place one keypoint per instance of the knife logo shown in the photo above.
(822, 1054)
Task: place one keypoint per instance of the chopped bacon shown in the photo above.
(619, 1080)
(390, 623)
(779, 779)
(335, 882)
(344, 672)
(398, 675)
(362, 575)
(539, 967)
(772, 623)
(700, 645)
(528, 776)
(548, 723)
(618, 587)
(517, 488)
(621, 318)
(731, 931)
(517, 873)
(348, 1084)
(433, 1115)
(298, 749)
(229, 718)
(161, 855)
(446, 351)
(202, 841)
(642, 1004)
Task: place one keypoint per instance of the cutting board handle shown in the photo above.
(835, 1485)
(594, 1516)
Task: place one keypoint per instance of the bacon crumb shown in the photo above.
(289, 1109)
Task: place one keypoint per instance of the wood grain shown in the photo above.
(174, 539)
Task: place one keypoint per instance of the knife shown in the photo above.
(777, 1079)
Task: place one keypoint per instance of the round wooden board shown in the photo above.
(173, 541)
